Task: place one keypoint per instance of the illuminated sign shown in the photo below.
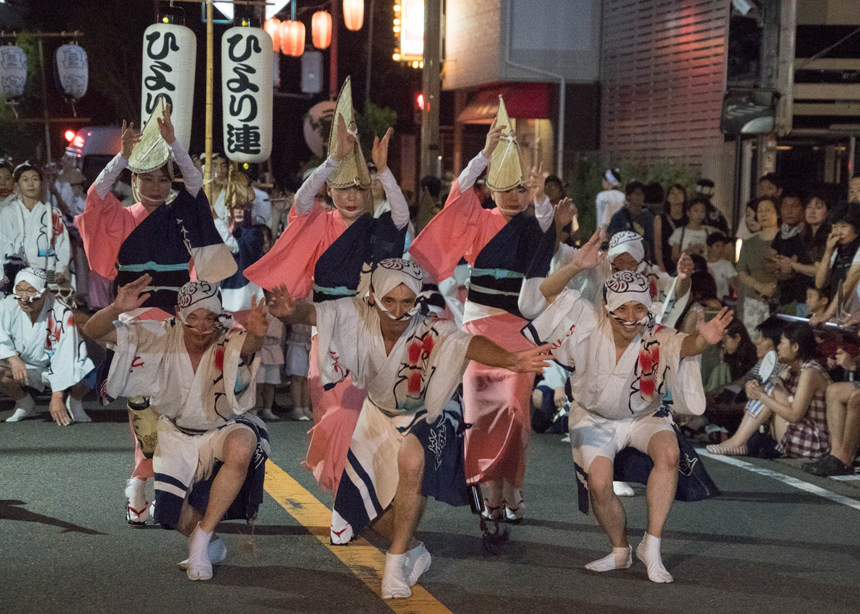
(409, 25)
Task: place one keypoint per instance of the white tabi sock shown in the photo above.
(395, 585)
(199, 565)
(24, 407)
(419, 562)
(621, 558)
(649, 553)
(217, 553)
(76, 410)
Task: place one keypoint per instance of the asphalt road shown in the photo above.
(763, 546)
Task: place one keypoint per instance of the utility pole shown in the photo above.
(768, 74)
(431, 82)
(369, 52)
(332, 67)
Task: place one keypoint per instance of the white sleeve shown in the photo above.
(62, 245)
(544, 213)
(190, 175)
(399, 207)
(140, 347)
(305, 196)
(226, 236)
(471, 173)
(104, 182)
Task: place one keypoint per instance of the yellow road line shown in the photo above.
(360, 556)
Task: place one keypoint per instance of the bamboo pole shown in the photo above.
(210, 106)
(47, 118)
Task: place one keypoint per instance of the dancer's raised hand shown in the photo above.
(345, 141)
(281, 305)
(494, 136)
(165, 126)
(713, 331)
(258, 323)
(130, 296)
(589, 254)
(129, 138)
(379, 153)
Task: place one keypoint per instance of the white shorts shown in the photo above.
(269, 374)
(210, 448)
(592, 436)
(297, 361)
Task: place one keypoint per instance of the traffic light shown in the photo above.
(419, 108)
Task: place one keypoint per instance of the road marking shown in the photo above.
(360, 556)
(785, 479)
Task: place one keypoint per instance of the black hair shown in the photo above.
(634, 186)
(700, 264)
(772, 329)
(703, 288)
(8, 166)
(771, 178)
(698, 200)
(717, 237)
(433, 185)
(553, 179)
(615, 172)
(744, 357)
(654, 193)
(822, 292)
(792, 193)
(850, 215)
(802, 334)
(23, 168)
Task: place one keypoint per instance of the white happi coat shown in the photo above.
(38, 236)
(150, 360)
(581, 339)
(422, 371)
(51, 344)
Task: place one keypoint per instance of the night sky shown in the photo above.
(113, 35)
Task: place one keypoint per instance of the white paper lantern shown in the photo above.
(246, 94)
(169, 60)
(13, 72)
(72, 71)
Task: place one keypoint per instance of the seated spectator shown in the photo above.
(549, 401)
(789, 247)
(794, 412)
(693, 236)
(759, 286)
(813, 236)
(40, 345)
(840, 267)
(721, 270)
(817, 300)
(725, 404)
(673, 217)
(739, 355)
(843, 421)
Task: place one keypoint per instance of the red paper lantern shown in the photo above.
(353, 14)
(293, 38)
(273, 29)
(321, 29)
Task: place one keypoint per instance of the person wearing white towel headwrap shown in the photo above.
(621, 362)
(40, 345)
(200, 372)
(406, 444)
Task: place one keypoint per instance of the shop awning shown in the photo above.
(523, 101)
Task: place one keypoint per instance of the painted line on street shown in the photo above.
(785, 479)
(364, 560)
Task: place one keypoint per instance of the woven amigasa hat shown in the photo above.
(352, 170)
(507, 168)
(151, 152)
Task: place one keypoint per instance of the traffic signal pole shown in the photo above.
(431, 85)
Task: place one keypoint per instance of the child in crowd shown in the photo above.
(692, 237)
(721, 269)
(269, 374)
(298, 350)
(817, 300)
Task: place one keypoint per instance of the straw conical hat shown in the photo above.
(152, 151)
(352, 170)
(236, 192)
(507, 168)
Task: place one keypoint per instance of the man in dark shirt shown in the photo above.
(633, 215)
(791, 287)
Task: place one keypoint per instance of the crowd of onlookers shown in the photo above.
(794, 254)
(790, 272)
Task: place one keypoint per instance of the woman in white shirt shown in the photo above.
(611, 199)
(692, 237)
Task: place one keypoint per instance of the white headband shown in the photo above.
(202, 295)
(626, 286)
(390, 273)
(626, 242)
(611, 178)
(34, 277)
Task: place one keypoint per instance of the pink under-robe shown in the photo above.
(291, 261)
(497, 401)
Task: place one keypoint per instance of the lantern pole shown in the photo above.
(210, 106)
(332, 70)
(45, 99)
(369, 53)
